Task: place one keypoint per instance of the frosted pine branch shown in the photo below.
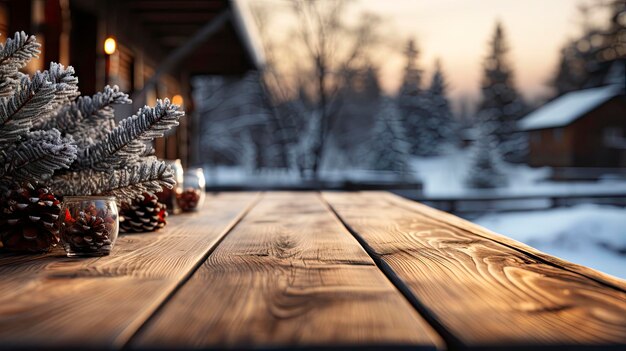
(65, 84)
(99, 116)
(96, 111)
(147, 124)
(65, 91)
(19, 112)
(44, 129)
(38, 156)
(64, 79)
(129, 155)
(14, 54)
(125, 184)
(103, 101)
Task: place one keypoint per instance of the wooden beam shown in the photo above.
(288, 276)
(605, 279)
(476, 290)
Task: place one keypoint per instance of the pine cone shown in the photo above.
(29, 219)
(89, 231)
(144, 214)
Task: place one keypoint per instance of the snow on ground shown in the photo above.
(444, 176)
(239, 176)
(589, 235)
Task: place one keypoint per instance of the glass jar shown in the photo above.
(168, 196)
(192, 196)
(89, 225)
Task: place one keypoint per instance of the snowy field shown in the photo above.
(590, 235)
(224, 176)
(444, 176)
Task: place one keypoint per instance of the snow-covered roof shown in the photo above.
(566, 109)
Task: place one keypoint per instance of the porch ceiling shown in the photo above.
(172, 23)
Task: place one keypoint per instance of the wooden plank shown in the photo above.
(54, 302)
(458, 222)
(477, 291)
(289, 275)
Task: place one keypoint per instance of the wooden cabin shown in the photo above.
(585, 128)
(161, 44)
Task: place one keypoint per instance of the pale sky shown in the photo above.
(457, 32)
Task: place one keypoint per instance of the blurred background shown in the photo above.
(509, 113)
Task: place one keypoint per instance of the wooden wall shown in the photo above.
(83, 49)
(590, 149)
(551, 147)
(582, 143)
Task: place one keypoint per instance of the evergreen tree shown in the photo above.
(579, 59)
(584, 60)
(412, 79)
(371, 85)
(440, 123)
(615, 38)
(485, 161)
(570, 74)
(388, 149)
(500, 99)
(412, 104)
(360, 99)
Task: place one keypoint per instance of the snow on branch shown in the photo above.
(14, 54)
(38, 156)
(127, 183)
(147, 124)
(72, 144)
(92, 110)
(19, 112)
(65, 84)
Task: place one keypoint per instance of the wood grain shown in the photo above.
(289, 275)
(484, 291)
(49, 301)
(456, 221)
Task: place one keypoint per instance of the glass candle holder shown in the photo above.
(89, 225)
(168, 196)
(192, 196)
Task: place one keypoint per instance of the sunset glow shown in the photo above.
(457, 32)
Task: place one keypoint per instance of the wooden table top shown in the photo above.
(279, 270)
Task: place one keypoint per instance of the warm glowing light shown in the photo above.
(177, 99)
(110, 45)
